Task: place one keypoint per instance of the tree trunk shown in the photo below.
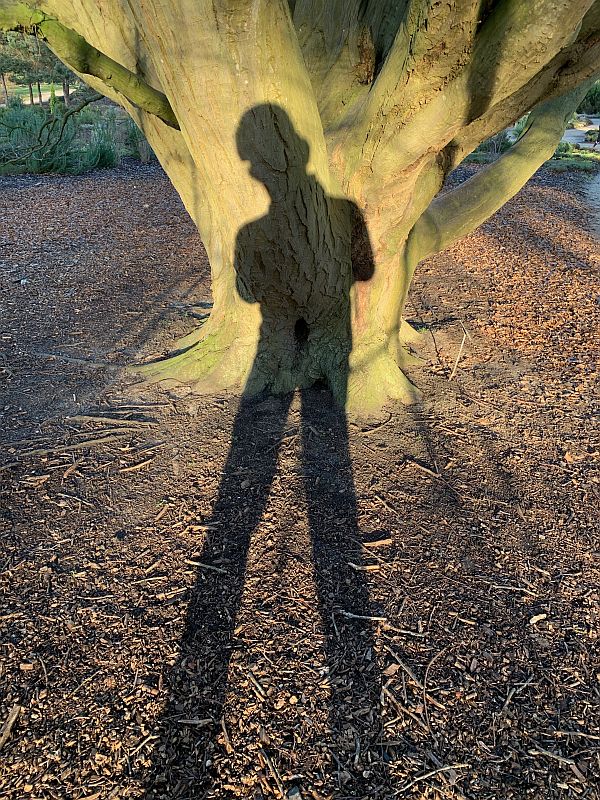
(349, 120)
(39, 91)
(66, 91)
(301, 294)
(30, 87)
(4, 88)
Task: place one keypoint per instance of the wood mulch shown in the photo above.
(202, 599)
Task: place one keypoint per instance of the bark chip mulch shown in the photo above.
(201, 598)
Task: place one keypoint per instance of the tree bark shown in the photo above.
(66, 92)
(296, 303)
(39, 93)
(30, 87)
(308, 142)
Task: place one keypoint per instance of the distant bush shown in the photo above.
(520, 126)
(495, 144)
(479, 158)
(564, 148)
(15, 101)
(591, 102)
(573, 163)
(137, 144)
(34, 140)
(103, 151)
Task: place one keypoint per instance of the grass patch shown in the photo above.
(573, 162)
(23, 91)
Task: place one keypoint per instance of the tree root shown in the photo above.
(362, 383)
(376, 381)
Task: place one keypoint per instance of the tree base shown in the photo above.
(218, 360)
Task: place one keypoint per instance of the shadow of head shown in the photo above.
(278, 155)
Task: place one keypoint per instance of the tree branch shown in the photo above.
(80, 56)
(515, 42)
(461, 210)
(568, 69)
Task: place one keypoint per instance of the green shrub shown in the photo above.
(563, 149)
(479, 158)
(591, 102)
(136, 143)
(520, 126)
(495, 144)
(573, 163)
(102, 151)
(36, 141)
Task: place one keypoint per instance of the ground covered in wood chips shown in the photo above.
(201, 598)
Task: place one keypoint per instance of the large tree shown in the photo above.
(349, 114)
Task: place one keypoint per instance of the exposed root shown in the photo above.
(375, 382)
(363, 383)
(217, 361)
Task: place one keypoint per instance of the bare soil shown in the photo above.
(207, 598)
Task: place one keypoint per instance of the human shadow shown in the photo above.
(273, 264)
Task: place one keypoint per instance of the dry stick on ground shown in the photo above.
(139, 465)
(10, 721)
(112, 420)
(535, 751)
(433, 772)
(413, 677)
(388, 693)
(460, 349)
(425, 695)
(274, 770)
(45, 451)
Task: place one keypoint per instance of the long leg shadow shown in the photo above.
(198, 682)
(191, 751)
(343, 596)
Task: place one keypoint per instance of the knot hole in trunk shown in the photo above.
(301, 331)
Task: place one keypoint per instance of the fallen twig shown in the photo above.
(430, 774)
(274, 771)
(112, 420)
(462, 344)
(540, 751)
(139, 465)
(13, 715)
(202, 565)
(63, 448)
(350, 615)
(413, 677)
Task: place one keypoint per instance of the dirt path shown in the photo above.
(201, 600)
(577, 135)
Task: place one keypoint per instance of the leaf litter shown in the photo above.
(416, 617)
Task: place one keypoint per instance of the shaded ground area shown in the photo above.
(316, 609)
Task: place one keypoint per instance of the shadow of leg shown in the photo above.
(184, 754)
(344, 603)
